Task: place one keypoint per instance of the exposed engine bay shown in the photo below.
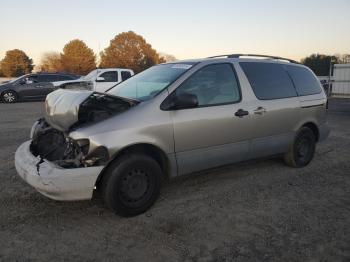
(51, 144)
(66, 112)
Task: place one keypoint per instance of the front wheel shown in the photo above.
(9, 96)
(302, 151)
(131, 184)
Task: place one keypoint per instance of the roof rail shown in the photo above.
(255, 55)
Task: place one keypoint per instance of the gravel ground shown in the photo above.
(253, 211)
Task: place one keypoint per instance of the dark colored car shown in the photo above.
(31, 86)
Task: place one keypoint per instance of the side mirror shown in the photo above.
(181, 101)
(100, 79)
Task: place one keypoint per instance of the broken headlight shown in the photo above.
(84, 145)
(99, 156)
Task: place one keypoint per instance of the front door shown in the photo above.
(216, 132)
(27, 87)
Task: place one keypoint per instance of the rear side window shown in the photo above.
(47, 78)
(304, 81)
(110, 76)
(125, 75)
(65, 77)
(268, 80)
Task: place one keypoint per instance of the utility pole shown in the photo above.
(329, 78)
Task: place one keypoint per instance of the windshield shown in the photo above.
(90, 76)
(15, 79)
(150, 82)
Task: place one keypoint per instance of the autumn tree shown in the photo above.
(130, 50)
(16, 63)
(168, 57)
(78, 58)
(51, 62)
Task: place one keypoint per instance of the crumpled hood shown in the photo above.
(65, 109)
(62, 107)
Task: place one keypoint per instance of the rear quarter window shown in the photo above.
(65, 77)
(125, 75)
(304, 81)
(268, 80)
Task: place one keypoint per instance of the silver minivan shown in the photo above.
(169, 120)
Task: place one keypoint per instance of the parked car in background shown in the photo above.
(31, 86)
(169, 120)
(98, 80)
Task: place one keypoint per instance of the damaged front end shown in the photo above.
(67, 111)
(53, 145)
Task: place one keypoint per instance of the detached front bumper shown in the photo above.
(53, 181)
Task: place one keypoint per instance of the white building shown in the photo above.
(341, 80)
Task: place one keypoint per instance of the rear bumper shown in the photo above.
(53, 181)
(324, 131)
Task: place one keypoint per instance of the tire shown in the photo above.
(9, 96)
(131, 184)
(302, 151)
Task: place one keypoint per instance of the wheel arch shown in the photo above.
(314, 129)
(12, 90)
(142, 148)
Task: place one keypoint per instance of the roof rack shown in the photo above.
(255, 55)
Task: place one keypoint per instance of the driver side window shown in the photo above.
(213, 85)
(29, 80)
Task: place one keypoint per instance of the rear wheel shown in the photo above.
(131, 184)
(302, 151)
(9, 96)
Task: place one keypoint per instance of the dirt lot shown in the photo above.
(254, 211)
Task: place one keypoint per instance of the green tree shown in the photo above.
(16, 63)
(78, 58)
(319, 63)
(130, 50)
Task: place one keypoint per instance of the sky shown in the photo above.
(184, 28)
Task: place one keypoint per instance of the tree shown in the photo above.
(16, 63)
(168, 57)
(319, 63)
(130, 50)
(78, 58)
(51, 62)
(344, 59)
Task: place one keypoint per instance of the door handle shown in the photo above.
(39, 86)
(260, 110)
(241, 113)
